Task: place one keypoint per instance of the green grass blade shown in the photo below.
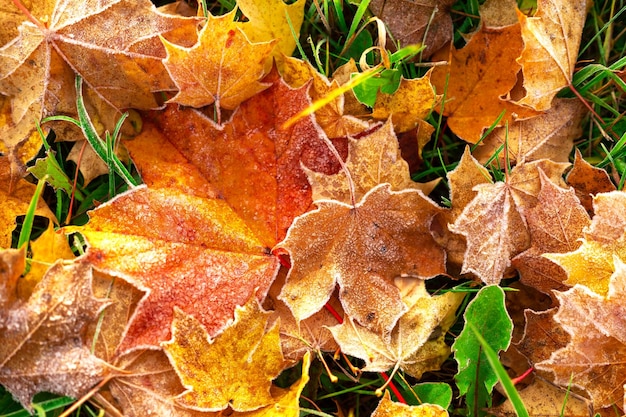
(503, 377)
(27, 226)
(47, 406)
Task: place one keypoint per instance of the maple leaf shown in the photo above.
(416, 343)
(273, 19)
(542, 336)
(425, 22)
(46, 249)
(15, 197)
(149, 386)
(494, 223)
(462, 179)
(373, 159)
(235, 369)
(361, 248)
(310, 335)
(494, 229)
(548, 136)
(588, 181)
(388, 408)
(593, 359)
(112, 44)
(134, 236)
(261, 177)
(475, 80)
(223, 67)
(40, 340)
(331, 116)
(592, 263)
(408, 105)
(287, 401)
(551, 41)
(555, 224)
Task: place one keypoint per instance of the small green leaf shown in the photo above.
(476, 378)
(57, 177)
(387, 82)
(438, 393)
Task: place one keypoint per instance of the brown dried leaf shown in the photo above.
(548, 136)
(362, 248)
(462, 180)
(592, 263)
(588, 181)
(416, 343)
(593, 359)
(40, 341)
(372, 160)
(494, 229)
(426, 22)
(556, 223)
(551, 41)
(112, 44)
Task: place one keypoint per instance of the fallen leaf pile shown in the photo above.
(265, 234)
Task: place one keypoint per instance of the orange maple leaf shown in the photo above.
(477, 77)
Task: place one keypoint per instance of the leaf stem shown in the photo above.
(30, 17)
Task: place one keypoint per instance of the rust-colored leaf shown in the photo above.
(588, 181)
(252, 161)
(204, 259)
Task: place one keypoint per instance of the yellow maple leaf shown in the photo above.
(592, 263)
(223, 67)
(386, 407)
(273, 19)
(408, 105)
(236, 368)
